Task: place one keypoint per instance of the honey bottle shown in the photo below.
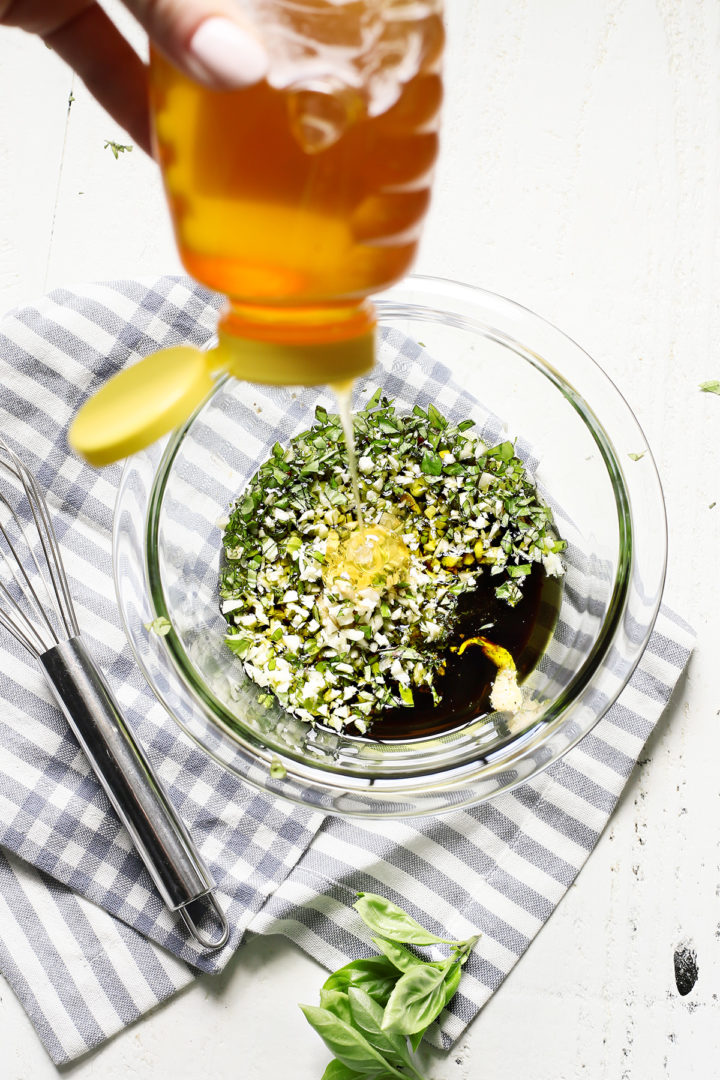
(297, 198)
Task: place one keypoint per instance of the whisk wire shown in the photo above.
(24, 585)
(24, 614)
(21, 621)
(53, 559)
(18, 634)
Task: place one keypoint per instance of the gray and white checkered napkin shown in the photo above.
(84, 940)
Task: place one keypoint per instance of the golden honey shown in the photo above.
(297, 203)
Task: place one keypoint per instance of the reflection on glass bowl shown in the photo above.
(473, 354)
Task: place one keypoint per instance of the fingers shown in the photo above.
(40, 16)
(207, 39)
(109, 67)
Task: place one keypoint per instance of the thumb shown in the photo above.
(210, 40)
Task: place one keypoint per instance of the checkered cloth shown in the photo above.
(84, 939)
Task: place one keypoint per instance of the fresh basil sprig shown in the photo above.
(373, 1012)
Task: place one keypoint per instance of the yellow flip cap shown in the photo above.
(145, 401)
(140, 404)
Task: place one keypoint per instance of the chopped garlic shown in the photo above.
(506, 695)
(332, 647)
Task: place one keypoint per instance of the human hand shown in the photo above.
(207, 39)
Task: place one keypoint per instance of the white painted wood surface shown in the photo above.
(580, 176)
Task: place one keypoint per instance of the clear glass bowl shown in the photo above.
(576, 432)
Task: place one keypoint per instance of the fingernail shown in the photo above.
(227, 54)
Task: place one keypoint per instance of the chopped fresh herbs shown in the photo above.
(340, 624)
(711, 387)
(117, 148)
(373, 1013)
(431, 464)
(277, 769)
(160, 626)
(636, 457)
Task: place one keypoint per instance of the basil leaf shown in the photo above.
(417, 1000)
(452, 981)
(519, 571)
(431, 464)
(399, 956)
(337, 1071)
(391, 922)
(368, 1017)
(416, 1038)
(337, 1003)
(377, 976)
(406, 695)
(505, 451)
(238, 645)
(437, 420)
(388, 427)
(347, 1044)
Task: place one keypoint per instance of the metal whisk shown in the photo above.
(37, 609)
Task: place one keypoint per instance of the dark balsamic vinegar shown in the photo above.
(464, 689)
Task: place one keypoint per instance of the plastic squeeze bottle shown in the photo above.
(297, 198)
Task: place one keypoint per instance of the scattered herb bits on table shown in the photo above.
(351, 626)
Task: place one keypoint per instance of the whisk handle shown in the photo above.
(122, 767)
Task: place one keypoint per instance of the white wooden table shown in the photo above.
(580, 176)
